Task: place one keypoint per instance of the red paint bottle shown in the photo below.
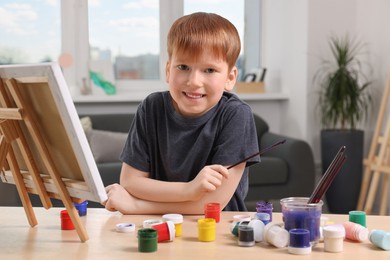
(212, 210)
(166, 231)
(66, 222)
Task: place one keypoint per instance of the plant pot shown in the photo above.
(343, 193)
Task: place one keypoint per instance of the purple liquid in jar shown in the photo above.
(298, 214)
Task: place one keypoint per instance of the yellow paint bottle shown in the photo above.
(206, 229)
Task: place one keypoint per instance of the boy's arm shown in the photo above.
(138, 184)
(162, 197)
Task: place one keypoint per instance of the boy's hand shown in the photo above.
(119, 199)
(208, 179)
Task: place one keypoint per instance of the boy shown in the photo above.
(182, 140)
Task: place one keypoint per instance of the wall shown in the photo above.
(300, 32)
(297, 35)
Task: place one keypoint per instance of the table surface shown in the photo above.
(47, 241)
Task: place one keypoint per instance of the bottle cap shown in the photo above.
(275, 235)
(239, 218)
(362, 233)
(125, 227)
(334, 231)
(175, 218)
(263, 216)
(150, 222)
(258, 229)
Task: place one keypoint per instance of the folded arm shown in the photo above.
(138, 194)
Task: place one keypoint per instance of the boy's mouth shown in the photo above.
(194, 95)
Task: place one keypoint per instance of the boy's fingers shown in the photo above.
(221, 170)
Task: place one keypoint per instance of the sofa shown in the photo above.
(284, 171)
(287, 170)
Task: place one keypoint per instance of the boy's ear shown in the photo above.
(231, 80)
(167, 71)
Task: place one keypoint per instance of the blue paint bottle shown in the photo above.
(380, 238)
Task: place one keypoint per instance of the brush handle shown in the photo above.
(328, 176)
(258, 153)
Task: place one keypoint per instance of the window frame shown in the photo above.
(75, 41)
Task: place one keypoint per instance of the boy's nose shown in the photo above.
(195, 78)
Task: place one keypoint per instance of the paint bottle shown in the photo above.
(82, 208)
(206, 229)
(355, 232)
(258, 229)
(212, 210)
(239, 218)
(334, 238)
(265, 207)
(165, 230)
(66, 221)
(147, 240)
(358, 217)
(264, 217)
(380, 238)
(299, 241)
(236, 225)
(245, 236)
(177, 220)
(275, 235)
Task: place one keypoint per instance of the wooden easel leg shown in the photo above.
(4, 148)
(367, 176)
(372, 192)
(23, 194)
(74, 216)
(385, 194)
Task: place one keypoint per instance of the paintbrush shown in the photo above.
(328, 176)
(258, 153)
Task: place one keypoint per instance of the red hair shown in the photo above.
(191, 34)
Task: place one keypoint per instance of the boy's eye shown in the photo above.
(210, 70)
(182, 67)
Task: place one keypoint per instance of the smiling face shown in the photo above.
(197, 84)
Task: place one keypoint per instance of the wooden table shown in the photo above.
(47, 241)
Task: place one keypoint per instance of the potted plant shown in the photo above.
(344, 101)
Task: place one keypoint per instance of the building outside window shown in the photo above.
(30, 31)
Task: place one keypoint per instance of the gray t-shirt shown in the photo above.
(175, 148)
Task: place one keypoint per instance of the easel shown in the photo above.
(378, 162)
(14, 111)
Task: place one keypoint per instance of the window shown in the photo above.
(125, 34)
(125, 40)
(30, 31)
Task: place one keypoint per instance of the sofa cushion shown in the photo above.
(111, 122)
(271, 170)
(106, 146)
